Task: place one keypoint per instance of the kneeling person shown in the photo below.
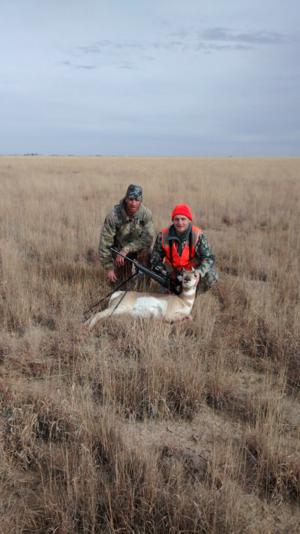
(183, 245)
(129, 229)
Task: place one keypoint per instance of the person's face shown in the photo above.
(132, 205)
(181, 223)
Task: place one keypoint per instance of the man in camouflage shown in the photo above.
(184, 246)
(128, 228)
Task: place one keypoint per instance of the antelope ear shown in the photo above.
(180, 278)
(193, 270)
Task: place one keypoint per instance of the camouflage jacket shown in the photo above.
(203, 255)
(131, 234)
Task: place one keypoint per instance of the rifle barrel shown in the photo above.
(162, 280)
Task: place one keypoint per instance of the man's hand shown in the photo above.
(119, 260)
(111, 276)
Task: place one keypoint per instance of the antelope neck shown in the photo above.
(188, 294)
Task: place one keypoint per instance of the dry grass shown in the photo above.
(140, 427)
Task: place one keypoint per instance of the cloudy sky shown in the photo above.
(150, 77)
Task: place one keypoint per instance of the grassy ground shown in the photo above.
(142, 427)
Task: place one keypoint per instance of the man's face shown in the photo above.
(132, 205)
(181, 223)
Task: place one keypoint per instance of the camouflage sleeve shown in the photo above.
(144, 241)
(158, 253)
(107, 237)
(204, 256)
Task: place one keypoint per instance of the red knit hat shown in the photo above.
(182, 209)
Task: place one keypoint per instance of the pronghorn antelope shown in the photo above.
(152, 305)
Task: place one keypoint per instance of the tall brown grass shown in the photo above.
(141, 427)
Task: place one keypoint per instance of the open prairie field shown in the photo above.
(146, 427)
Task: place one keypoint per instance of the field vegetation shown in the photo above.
(142, 427)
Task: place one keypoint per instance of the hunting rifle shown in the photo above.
(163, 279)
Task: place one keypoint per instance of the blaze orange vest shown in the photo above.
(186, 259)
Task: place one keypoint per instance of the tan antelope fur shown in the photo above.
(152, 305)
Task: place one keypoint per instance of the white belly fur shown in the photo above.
(115, 295)
(149, 307)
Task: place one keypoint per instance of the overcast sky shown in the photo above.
(157, 77)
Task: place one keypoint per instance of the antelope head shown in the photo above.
(189, 279)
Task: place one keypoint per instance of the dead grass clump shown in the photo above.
(31, 368)
(69, 273)
(196, 467)
(247, 400)
(293, 371)
(276, 476)
(91, 255)
(270, 339)
(44, 320)
(260, 342)
(24, 353)
(53, 423)
(234, 302)
(148, 372)
(236, 219)
(152, 389)
(147, 496)
(291, 350)
(28, 420)
(230, 265)
(39, 352)
(6, 393)
(66, 398)
(234, 403)
(65, 347)
(4, 350)
(94, 483)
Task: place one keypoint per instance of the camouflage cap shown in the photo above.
(134, 192)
